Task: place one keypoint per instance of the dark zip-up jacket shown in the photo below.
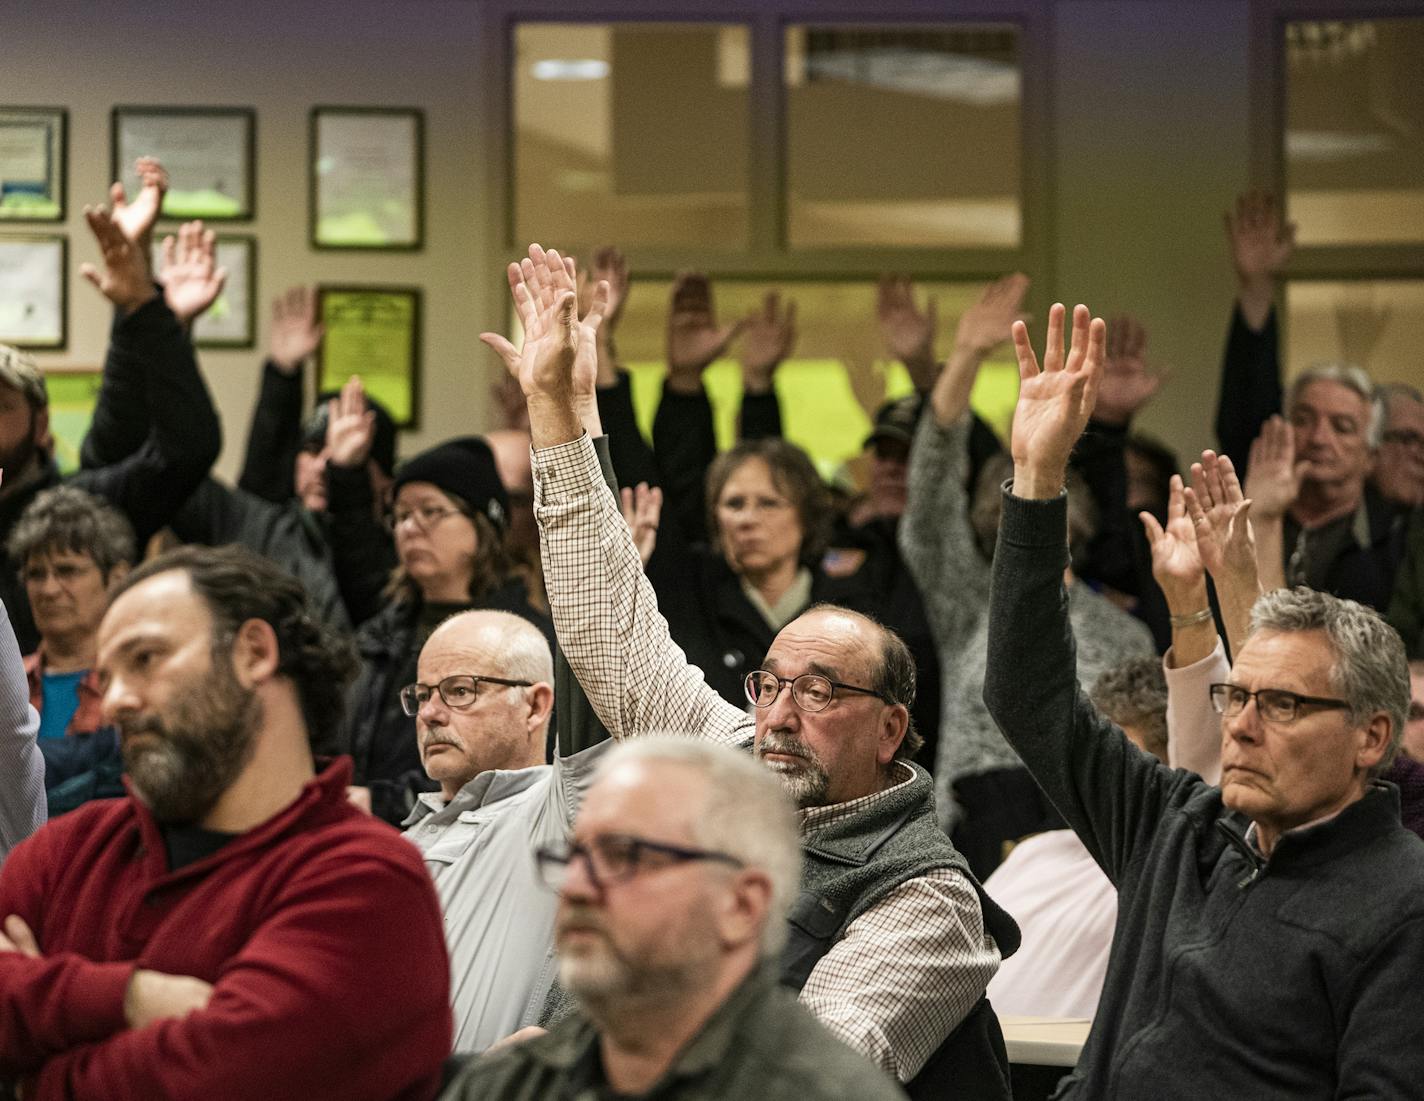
(1231, 975)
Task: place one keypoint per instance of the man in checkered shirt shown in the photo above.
(892, 941)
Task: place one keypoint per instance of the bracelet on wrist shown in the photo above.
(1191, 620)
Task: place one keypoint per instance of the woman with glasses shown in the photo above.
(768, 518)
(449, 519)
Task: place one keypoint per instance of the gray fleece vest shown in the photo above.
(849, 866)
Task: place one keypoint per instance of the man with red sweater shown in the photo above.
(234, 928)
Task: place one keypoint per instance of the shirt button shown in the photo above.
(731, 659)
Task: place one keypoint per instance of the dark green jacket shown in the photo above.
(761, 1044)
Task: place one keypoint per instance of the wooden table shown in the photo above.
(1045, 1041)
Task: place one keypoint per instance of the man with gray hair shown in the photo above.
(1271, 930)
(673, 897)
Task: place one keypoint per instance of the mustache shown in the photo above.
(775, 741)
(130, 725)
(577, 915)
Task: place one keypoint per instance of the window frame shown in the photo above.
(767, 256)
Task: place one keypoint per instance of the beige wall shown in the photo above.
(1148, 143)
(280, 58)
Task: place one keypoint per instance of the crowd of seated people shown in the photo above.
(563, 762)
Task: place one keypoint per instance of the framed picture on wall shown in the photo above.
(32, 151)
(208, 152)
(73, 394)
(373, 332)
(367, 177)
(228, 322)
(33, 301)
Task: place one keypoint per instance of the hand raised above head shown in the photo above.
(350, 426)
(989, 321)
(1262, 242)
(135, 219)
(1128, 383)
(1056, 401)
(125, 279)
(192, 280)
(767, 338)
(694, 339)
(295, 334)
(907, 331)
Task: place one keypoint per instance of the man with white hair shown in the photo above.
(673, 897)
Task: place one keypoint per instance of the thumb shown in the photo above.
(1151, 526)
(91, 273)
(502, 348)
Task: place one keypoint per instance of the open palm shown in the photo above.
(1055, 403)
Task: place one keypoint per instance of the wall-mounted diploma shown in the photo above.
(373, 332)
(32, 291)
(208, 153)
(366, 177)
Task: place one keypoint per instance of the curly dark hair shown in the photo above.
(238, 585)
(794, 474)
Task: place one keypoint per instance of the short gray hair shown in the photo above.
(1352, 378)
(1369, 672)
(746, 814)
(69, 519)
(1134, 693)
(22, 373)
(523, 650)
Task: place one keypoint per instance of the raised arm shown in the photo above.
(275, 435)
(1261, 245)
(1111, 793)
(768, 338)
(604, 610)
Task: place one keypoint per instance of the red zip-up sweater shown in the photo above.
(319, 930)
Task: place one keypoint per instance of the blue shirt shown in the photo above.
(61, 701)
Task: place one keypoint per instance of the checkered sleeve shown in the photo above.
(606, 616)
(907, 971)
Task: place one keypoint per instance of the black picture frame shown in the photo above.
(61, 339)
(183, 179)
(356, 346)
(327, 230)
(210, 330)
(56, 164)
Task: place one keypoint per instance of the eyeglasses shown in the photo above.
(459, 692)
(615, 858)
(425, 517)
(1405, 437)
(1275, 704)
(810, 691)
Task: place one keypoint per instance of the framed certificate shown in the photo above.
(367, 177)
(208, 152)
(33, 304)
(228, 322)
(373, 332)
(73, 394)
(32, 150)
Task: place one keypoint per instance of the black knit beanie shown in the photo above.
(465, 468)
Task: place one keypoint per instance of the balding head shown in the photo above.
(489, 725)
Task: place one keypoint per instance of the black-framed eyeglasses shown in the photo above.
(425, 517)
(458, 692)
(810, 691)
(617, 857)
(1275, 704)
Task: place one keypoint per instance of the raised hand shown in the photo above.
(1273, 477)
(350, 426)
(1176, 556)
(1127, 383)
(989, 322)
(907, 331)
(767, 339)
(135, 219)
(192, 280)
(1219, 514)
(694, 339)
(1261, 243)
(1054, 403)
(558, 359)
(609, 266)
(125, 280)
(296, 334)
(642, 509)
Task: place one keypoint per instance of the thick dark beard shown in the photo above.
(196, 750)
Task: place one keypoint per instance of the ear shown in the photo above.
(894, 724)
(743, 914)
(40, 433)
(541, 703)
(117, 572)
(255, 653)
(1375, 738)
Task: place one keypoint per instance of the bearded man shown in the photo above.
(234, 928)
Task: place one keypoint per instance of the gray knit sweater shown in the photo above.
(938, 545)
